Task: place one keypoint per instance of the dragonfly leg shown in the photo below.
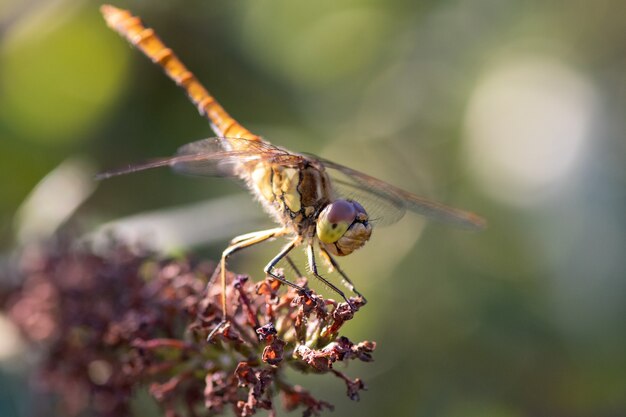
(238, 243)
(313, 265)
(347, 281)
(284, 253)
(293, 266)
(279, 231)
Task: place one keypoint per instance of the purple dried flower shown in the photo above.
(112, 323)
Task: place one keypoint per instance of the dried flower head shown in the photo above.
(113, 323)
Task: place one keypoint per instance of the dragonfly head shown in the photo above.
(343, 227)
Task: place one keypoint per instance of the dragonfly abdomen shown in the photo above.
(146, 40)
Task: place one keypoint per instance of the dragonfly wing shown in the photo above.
(212, 157)
(441, 212)
(129, 169)
(219, 164)
(207, 146)
(383, 209)
(207, 158)
(392, 200)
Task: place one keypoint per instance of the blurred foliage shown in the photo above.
(68, 58)
(524, 319)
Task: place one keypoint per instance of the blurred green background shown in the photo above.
(513, 109)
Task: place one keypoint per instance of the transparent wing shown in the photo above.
(381, 209)
(212, 157)
(385, 203)
(389, 203)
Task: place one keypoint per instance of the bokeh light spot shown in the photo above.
(54, 84)
(11, 343)
(526, 128)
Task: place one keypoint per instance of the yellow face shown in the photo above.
(343, 227)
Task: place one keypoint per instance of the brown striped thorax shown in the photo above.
(300, 196)
(322, 205)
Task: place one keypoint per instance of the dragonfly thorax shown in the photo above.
(292, 193)
(343, 227)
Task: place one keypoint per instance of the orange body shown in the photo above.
(146, 40)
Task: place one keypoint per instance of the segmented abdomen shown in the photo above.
(146, 40)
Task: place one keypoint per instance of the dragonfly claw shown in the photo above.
(355, 303)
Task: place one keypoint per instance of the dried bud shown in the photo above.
(113, 323)
(266, 332)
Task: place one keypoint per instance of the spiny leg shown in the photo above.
(346, 281)
(311, 256)
(238, 243)
(278, 230)
(283, 253)
(293, 266)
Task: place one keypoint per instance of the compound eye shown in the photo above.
(359, 208)
(335, 220)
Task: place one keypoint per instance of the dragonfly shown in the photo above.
(326, 207)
